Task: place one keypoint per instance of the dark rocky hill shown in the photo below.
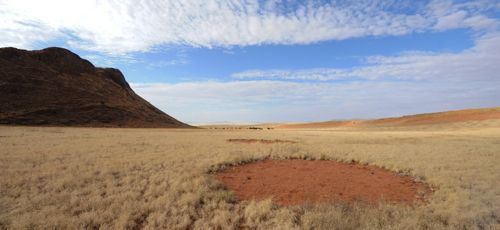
(56, 87)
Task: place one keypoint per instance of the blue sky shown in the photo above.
(279, 61)
(181, 63)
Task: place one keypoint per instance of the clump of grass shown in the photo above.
(74, 178)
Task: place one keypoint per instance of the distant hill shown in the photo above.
(419, 119)
(56, 87)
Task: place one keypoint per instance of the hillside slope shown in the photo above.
(419, 119)
(54, 86)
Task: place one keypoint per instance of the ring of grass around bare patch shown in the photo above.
(262, 141)
(296, 182)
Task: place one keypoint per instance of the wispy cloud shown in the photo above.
(430, 81)
(265, 101)
(385, 86)
(130, 26)
(180, 58)
(477, 63)
(465, 14)
(110, 60)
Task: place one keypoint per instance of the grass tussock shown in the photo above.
(67, 178)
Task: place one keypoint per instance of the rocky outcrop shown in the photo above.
(54, 86)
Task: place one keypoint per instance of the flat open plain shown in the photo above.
(67, 178)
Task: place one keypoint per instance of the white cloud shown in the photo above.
(180, 58)
(317, 74)
(437, 81)
(20, 31)
(397, 85)
(477, 63)
(267, 101)
(450, 21)
(465, 14)
(130, 26)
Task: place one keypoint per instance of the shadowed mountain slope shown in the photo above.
(54, 86)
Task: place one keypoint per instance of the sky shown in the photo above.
(252, 61)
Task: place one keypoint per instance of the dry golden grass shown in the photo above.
(67, 178)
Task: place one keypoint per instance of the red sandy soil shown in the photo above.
(262, 141)
(419, 119)
(295, 182)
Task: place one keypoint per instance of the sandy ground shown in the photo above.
(74, 178)
(468, 115)
(300, 182)
(261, 141)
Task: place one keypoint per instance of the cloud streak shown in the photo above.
(132, 26)
(477, 63)
(382, 85)
(385, 86)
(271, 101)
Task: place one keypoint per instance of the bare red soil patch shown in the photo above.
(262, 141)
(294, 182)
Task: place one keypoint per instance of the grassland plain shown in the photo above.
(67, 178)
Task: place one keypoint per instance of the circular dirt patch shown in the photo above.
(292, 182)
(262, 141)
